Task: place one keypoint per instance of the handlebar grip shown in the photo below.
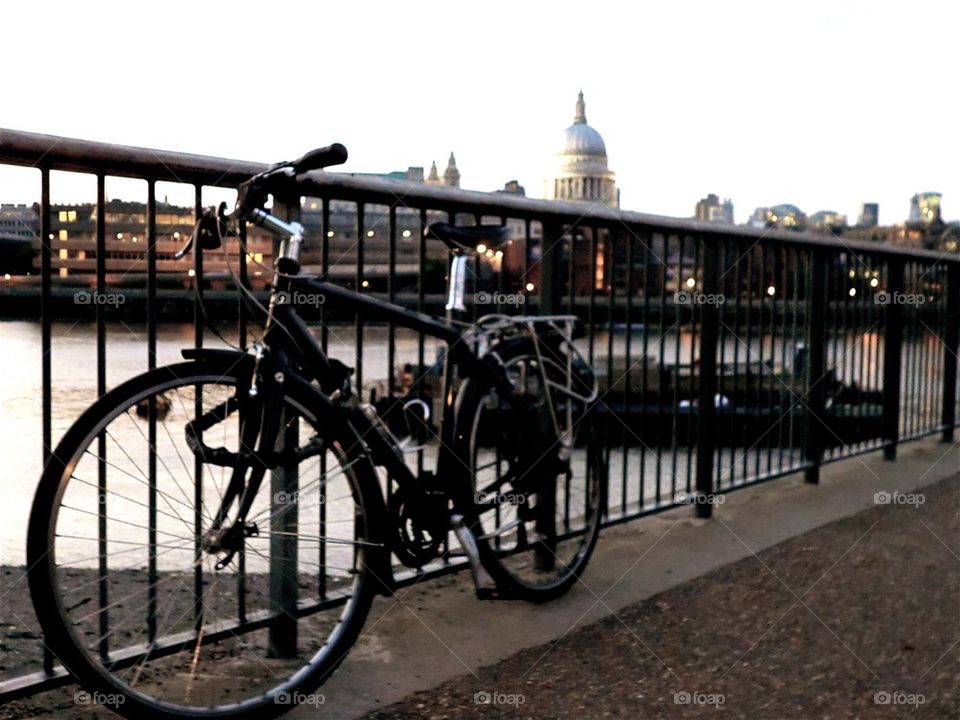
(335, 154)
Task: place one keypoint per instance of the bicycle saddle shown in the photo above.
(468, 237)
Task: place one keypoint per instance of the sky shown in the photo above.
(825, 105)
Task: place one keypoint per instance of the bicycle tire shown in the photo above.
(60, 637)
(497, 562)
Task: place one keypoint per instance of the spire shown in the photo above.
(581, 117)
(451, 176)
(434, 176)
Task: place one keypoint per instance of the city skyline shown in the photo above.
(806, 107)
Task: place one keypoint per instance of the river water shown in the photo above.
(74, 366)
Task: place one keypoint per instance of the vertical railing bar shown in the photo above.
(421, 272)
(951, 346)
(197, 412)
(103, 569)
(707, 385)
(697, 243)
(46, 306)
(610, 376)
(891, 363)
(151, 232)
(722, 379)
(593, 293)
(678, 339)
(242, 332)
(391, 325)
(814, 380)
(794, 255)
(644, 389)
(739, 390)
(628, 362)
(324, 340)
(357, 320)
(661, 358)
(748, 353)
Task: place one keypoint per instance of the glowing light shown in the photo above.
(365, 283)
(176, 236)
(691, 282)
(499, 254)
(874, 282)
(120, 236)
(489, 253)
(481, 248)
(191, 272)
(771, 291)
(6, 276)
(529, 287)
(369, 233)
(853, 292)
(406, 233)
(852, 273)
(329, 233)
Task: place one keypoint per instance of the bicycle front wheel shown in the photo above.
(128, 587)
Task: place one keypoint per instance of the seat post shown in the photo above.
(457, 284)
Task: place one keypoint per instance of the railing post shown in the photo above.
(892, 349)
(707, 378)
(950, 348)
(816, 361)
(284, 515)
(550, 265)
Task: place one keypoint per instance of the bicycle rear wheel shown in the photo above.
(130, 597)
(535, 471)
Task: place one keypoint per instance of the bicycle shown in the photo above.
(208, 537)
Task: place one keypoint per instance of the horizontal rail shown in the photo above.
(38, 150)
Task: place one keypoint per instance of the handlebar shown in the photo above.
(251, 196)
(335, 154)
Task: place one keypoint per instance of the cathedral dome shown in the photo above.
(580, 138)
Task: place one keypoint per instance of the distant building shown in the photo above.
(827, 221)
(581, 173)
(710, 209)
(785, 216)
(73, 245)
(869, 215)
(19, 221)
(924, 209)
(513, 187)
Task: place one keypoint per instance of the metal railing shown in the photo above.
(726, 356)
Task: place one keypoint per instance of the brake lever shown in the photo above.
(182, 252)
(211, 228)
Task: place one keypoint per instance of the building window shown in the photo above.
(64, 254)
(63, 235)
